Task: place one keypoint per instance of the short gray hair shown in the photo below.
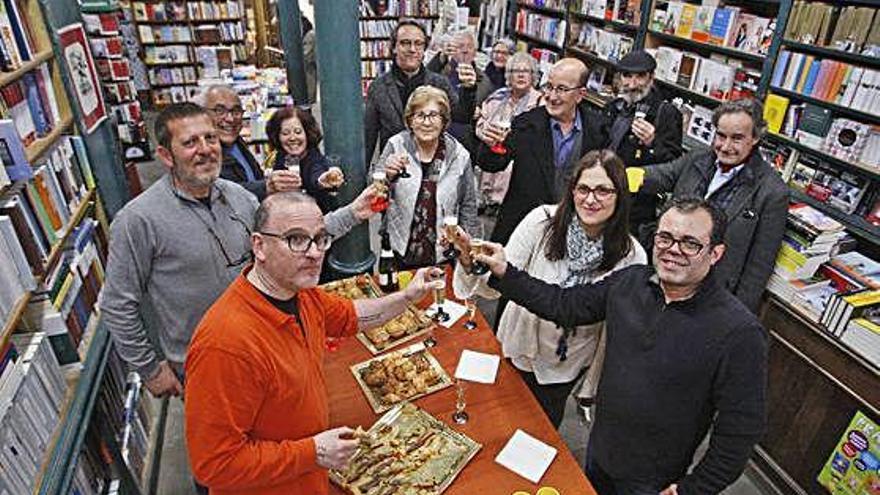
(511, 47)
(522, 58)
(215, 88)
(748, 106)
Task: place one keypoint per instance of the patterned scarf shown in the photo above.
(584, 257)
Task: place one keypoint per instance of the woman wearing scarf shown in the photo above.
(439, 181)
(581, 240)
(518, 96)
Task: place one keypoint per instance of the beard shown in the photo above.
(633, 96)
(191, 180)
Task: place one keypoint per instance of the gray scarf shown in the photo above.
(584, 257)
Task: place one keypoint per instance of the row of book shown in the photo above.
(606, 45)
(103, 24)
(626, 11)
(173, 54)
(171, 75)
(229, 9)
(31, 103)
(110, 47)
(828, 80)
(376, 28)
(722, 26)
(113, 69)
(173, 94)
(164, 34)
(402, 8)
(375, 48)
(119, 92)
(129, 122)
(547, 29)
(546, 4)
(717, 76)
(839, 189)
(17, 43)
(174, 11)
(374, 68)
(214, 59)
(220, 32)
(850, 28)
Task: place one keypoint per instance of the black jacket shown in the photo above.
(530, 146)
(671, 371)
(311, 167)
(231, 170)
(756, 216)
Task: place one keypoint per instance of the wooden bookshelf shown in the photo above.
(855, 224)
(15, 75)
(687, 42)
(840, 55)
(538, 41)
(619, 25)
(551, 12)
(838, 109)
(855, 167)
(590, 57)
(41, 145)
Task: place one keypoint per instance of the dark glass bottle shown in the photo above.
(387, 267)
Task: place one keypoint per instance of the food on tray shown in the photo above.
(406, 452)
(402, 375)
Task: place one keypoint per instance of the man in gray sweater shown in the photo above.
(177, 246)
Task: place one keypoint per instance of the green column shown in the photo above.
(342, 118)
(290, 25)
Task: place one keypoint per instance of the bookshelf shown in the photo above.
(185, 41)
(375, 26)
(542, 26)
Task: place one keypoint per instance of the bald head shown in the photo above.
(224, 105)
(573, 67)
(274, 203)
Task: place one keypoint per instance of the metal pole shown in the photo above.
(290, 27)
(342, 112)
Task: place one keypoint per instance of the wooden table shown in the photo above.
(496, 412)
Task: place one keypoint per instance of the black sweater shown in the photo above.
(669, 369)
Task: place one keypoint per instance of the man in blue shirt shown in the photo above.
(239, 164)
(544, 144)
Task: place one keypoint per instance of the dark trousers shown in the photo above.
(552, 397)
(605, 484)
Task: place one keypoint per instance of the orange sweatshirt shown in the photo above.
(255, 391)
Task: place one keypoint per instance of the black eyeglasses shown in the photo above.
(301, 243)
(601, 193)
(688, 245)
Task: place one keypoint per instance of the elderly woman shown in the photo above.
(440, 182)
(294, 136)
(583, 239)
(506, 103)
(496, 70)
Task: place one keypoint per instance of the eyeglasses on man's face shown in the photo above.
(601, 193)
(689, 246)
(560, 90)
(301, 243)
(412, 44)
(221, 111)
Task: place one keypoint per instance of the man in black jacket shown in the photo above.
(544, 144)
(239, 164)
(736, 179)
(682, 355)
(644, 129)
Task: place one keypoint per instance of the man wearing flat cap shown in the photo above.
(645, 129)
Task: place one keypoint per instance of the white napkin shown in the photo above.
(526, 456)
(452, 308)
(477, 366)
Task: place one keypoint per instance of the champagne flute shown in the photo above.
(460, 416)
(450, 228)
(501, 120)
(380, 200)
(403, 174)
(471, 305)
(439, 299)
(478, 267)
(336, 177)
(291, 163)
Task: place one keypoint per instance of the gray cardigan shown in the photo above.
(456, 191)
(756, 217)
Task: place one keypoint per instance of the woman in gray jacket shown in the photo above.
(439, 181)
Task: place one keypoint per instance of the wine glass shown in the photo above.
(291, 163)
(439, 298)
(471, 305)
(336, 177)
(501, 118)
(450, 227)
(478, 267)
(380, 200)
(460, 416)
(403, 174)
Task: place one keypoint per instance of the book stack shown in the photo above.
(850, 28)
(31, 103)
(827, 184)
(626, 11)
(722, 26)
(548, 29)
(862, 335)
(719, 77)
(32, 389)
(810, 238)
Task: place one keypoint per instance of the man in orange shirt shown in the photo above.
(256, 403)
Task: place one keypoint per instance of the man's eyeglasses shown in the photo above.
(428, 118)
(301, 243)
(688, 245)
(601, 193)
(417, 44)
(221, 111)
(561, 90)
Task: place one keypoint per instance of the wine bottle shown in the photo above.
(387, 267)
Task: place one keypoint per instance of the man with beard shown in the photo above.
(636, 133)
(257, 416)
(176, 247)
(683, 356)
(388, 94)
(239, 164)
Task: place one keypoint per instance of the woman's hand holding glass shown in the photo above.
(395, 166)
(492, 254)
(283, 181)
(456, 237)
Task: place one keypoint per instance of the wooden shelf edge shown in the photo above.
(854, 224)
(709, 100)
(839, 55)
(56, 435)
(548, 11)
(733, 52)
(38, 147)
(7, 78)
(834, 107)
(855, 167)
